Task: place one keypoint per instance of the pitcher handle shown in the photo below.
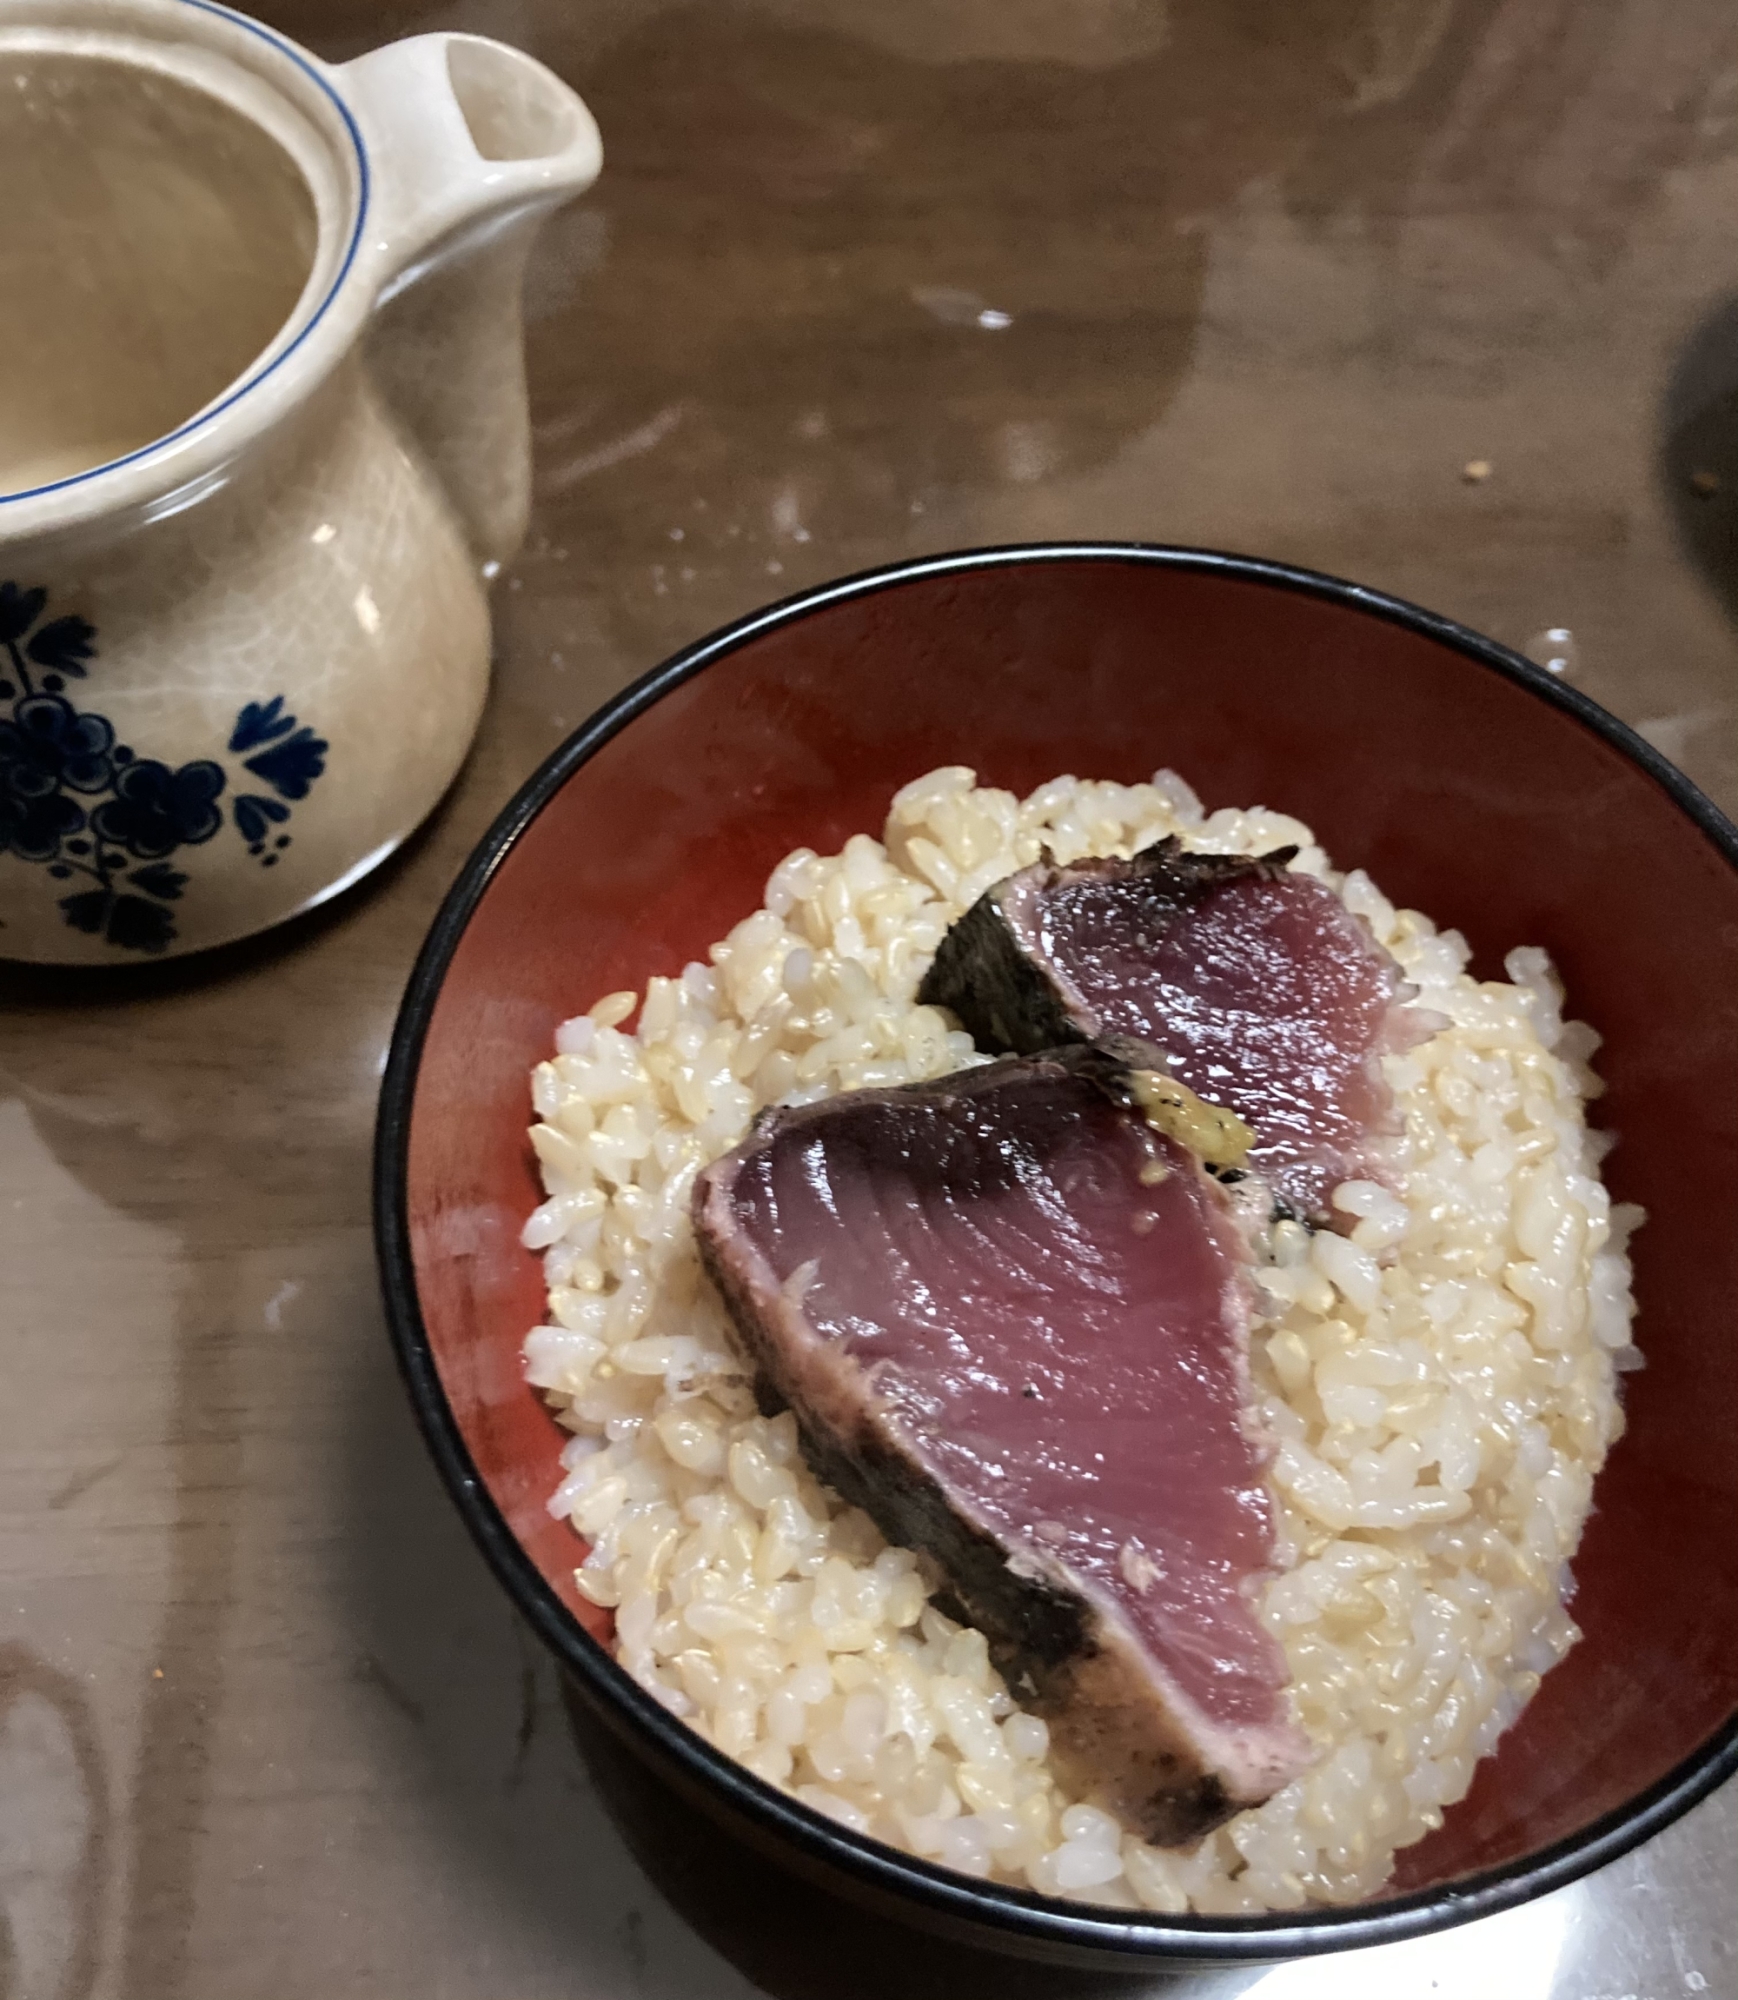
(461, 130)
(471, 145)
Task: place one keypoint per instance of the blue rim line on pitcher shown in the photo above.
(228, 402)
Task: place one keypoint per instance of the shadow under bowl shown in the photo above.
(1471, 785)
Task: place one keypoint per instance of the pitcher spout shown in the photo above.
(473, 144)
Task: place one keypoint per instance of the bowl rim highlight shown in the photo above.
(993, 1913)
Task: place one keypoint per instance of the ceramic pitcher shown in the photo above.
(263, 439)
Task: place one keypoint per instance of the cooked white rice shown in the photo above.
(1441, 1380)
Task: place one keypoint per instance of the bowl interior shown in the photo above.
(1464, 793)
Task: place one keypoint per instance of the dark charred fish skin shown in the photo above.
(997, 992)
(1118, 1729)
(994, 984)
(1047, 1641)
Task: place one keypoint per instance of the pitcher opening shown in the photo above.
(157, 241)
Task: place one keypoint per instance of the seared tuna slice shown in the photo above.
(1264, 993)
(1010, 1315)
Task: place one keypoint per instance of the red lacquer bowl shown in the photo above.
(1470, 784)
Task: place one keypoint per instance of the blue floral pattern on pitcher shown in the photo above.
(81, 805)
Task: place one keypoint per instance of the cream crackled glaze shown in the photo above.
(244, 637)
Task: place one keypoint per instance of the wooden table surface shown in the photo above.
(1260, 274)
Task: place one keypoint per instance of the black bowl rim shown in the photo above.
(1054, 1926)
